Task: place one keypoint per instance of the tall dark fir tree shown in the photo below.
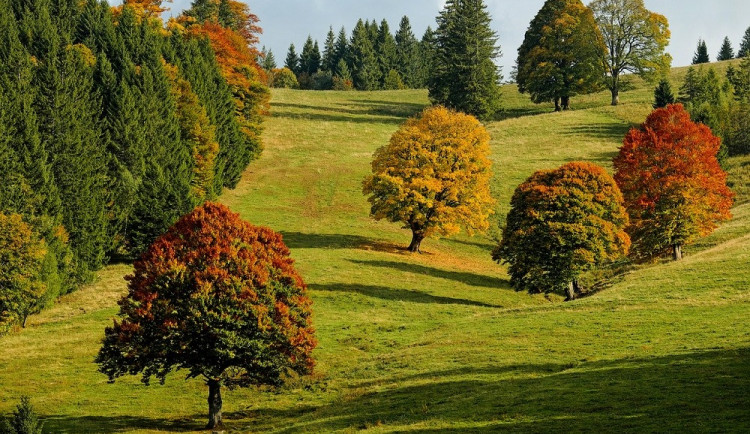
(701, 53)
(726, 52)
(364, 64)
(407, 61)
(292, 60)
(464, 76)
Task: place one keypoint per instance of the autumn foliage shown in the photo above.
(561, 223)
(433, 176)
(218, 297)
(21, 259)
(674, 188)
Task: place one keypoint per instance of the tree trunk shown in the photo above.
(214, 404)
(577, 287)
(677, 252)
(566, 103)
(25, 317)
(570, 291)
(615, 96)
(416, 242)
(557, 104)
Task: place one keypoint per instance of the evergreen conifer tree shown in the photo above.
(427, 50)
(342, 49)
(292, 60)
(385, 51)
(329, 61)
(726, 52)
(406, 53)
(663, 95)
(465, 76)
(365, 71)
(744, 45)
(701, 53)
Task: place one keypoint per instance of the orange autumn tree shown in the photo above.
(218, 297)
(562, 223)
(675, 191)
(433, 176)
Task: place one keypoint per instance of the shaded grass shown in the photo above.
(432, 342)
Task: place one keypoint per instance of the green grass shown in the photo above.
(437, 341)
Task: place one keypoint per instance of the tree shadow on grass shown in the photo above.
(299, 240)
(335, 116)
(614, 132)
(458, 276)
(115, 424)
(700, 392)
(396, 294)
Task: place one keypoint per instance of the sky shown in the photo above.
(291, 21)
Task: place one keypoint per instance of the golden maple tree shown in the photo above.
(433, 176)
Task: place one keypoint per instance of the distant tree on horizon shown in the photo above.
(701, 53)
(726, 52)
(744, 50)
(292, 60)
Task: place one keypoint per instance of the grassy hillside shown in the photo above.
(437, 341)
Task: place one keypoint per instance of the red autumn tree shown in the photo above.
(674, 188)
(561, 223)
(218, 297)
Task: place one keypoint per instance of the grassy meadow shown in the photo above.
(437, 341)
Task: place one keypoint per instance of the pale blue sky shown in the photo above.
(287, 21)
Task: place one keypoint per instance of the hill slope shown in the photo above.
(439, 340)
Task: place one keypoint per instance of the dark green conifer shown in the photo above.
(726, 52)
(385, 52)
(406, 53)
(365, 71)
(329, 60)
(464, 76)
(292, 60)
(663, 95)
(744, 45)
(701, 53)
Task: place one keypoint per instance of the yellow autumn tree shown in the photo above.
(433, 176)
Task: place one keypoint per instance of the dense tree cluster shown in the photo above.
(371, 58)
(113, 124)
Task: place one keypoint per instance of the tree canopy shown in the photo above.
(561, 55)
(635, 39)
(215, 296)
(433, 176)
(561, 223)
(674, 189)
(464, 75)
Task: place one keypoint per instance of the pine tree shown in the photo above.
(329, 61)
(342, 49)
(292, 60)
(406, 53)
(385, 51)
(427, 50)
(744, 45)
(663, 95)
(465, 76)
(701, 53)
(726, 52)
(365, 72)
(268, 61)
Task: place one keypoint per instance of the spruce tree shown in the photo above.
(329, 61)
(292, 60)
(663, 95)
(744, 50)
(342, 49)
(307, 64)
(385, 51)
(726, 52)
(406, 53)
(427, 50)
(268, 61)
(701, 53)
(465, 76)
(365, 71)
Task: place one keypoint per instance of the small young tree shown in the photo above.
(701, 53)
(726, 52)
(292, 60)
(561, 223)
(21, 260)
(218, 297)
(433, 176)
(674, 188)
(24, 420)
(663, 95)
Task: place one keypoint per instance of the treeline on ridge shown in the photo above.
(114, 124)
(373, 58)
